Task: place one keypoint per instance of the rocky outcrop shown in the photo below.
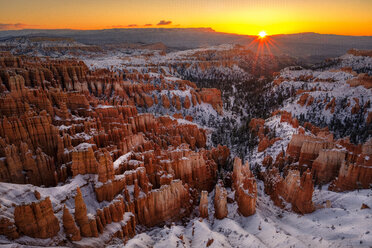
(362, 79)
(355, 174)
(356, 52)
(305, 149)
(220, 155)
(245, 187)
(69, 226)
(165, 101)
(203, 205)
(220, 202)
(8, 229)
(81, 216)
(105, 167)
(168, 203)
(36, 219)
(303, 99)
(21, 165)
(213, 97)
(64, 124)
(326, 166)
(294, 189)
(263, 145)
(83, 160)
(193, 168)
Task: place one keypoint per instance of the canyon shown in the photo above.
(93, 155)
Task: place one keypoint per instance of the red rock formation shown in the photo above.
(71, 230)
(356, 107)
(165, 101)
(255, 124)
(83, 160)
(326, 166)
(355, 175)
(168, 203)
(267, 161)
(194, 169)
(36, 220)
(176, 102)
(310, 150)
(220, 202)
(8, 229)
(331, 105)
(81, 215)
(105, 167)
(245, 188)
(39, 167)
(295, 189)
(220, 155)
(213, 97)
(362, 79)
(203, 206)
(356, 52)
(129, 227)
(369, 118)
(263, 145)
(303, 99)
(60, 119)
(187, 103)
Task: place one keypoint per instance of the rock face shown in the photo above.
(345, 165)
(355, 172)
(36, 220)
(163, 205)
(203, 206)
(363, 79)
(81, 215)
(8, 229)
(71, 230)
(213, 97)
(59, 121)
(294, 189)
(220, 202)
(105, 167)
(245, 188)
(83, 160)
(326, 166)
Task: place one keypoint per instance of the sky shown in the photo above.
(346, 17)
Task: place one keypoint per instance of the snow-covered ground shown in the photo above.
(344, 224)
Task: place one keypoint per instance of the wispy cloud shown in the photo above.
(11, 26)
(125, 26)
(164, 22)
(147, 25)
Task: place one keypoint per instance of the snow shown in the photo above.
(83, 146)
(284, 130)
(105, 106)
(342, 225)
(19, 194)
(121, 160)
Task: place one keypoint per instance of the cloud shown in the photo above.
(147, 25)
(164, 22)
(125, 26)
(11, 26)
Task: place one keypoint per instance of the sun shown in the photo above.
(262, 34)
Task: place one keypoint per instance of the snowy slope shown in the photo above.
(344, 224)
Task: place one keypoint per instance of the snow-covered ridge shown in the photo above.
(327, 97)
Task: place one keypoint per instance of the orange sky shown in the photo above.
(349, 17)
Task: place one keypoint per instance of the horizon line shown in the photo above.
(153, 27)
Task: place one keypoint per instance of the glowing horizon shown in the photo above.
(342, 17)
